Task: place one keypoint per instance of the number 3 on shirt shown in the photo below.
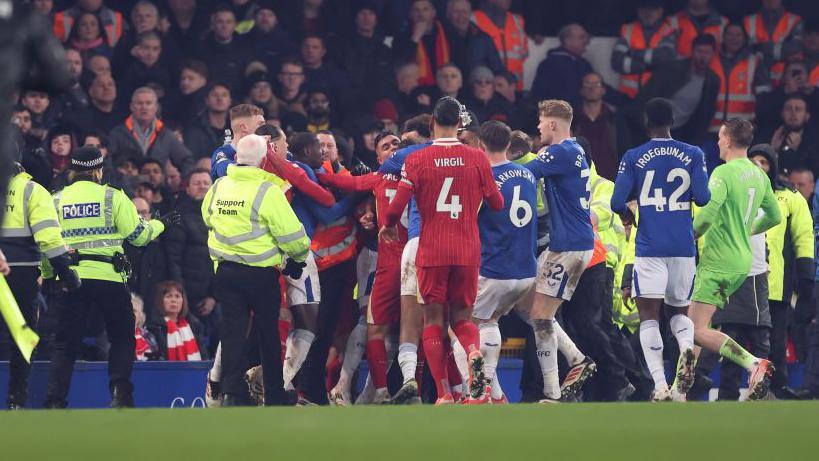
(453, 206)
(586, 173)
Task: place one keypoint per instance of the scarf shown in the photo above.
(59, 163)
(145, 138)
(85, 46)
(142, 345)
(427, 73)
(181, 342)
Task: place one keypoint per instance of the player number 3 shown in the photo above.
(453, 207)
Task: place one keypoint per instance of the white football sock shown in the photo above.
(459, 354)
(652, 343)
(567, 347)
(683, 329)
(356, 344)
(298, 346)
(491, 348)
(215, 373)
(408, 360)
(367, 394)
(546, 345)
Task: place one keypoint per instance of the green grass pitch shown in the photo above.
(694, 431)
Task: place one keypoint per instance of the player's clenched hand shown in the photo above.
(388, 234)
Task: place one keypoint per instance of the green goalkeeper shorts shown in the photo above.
(713, 287)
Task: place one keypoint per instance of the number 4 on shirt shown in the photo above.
(453, 207)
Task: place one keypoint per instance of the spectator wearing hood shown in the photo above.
(59, 144)
(790, 248)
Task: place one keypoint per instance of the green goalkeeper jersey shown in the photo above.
(739, 189)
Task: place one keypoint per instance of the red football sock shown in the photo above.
(436, 357)
(377, 361)
(468, 335)
(333, 372)
(419, 367)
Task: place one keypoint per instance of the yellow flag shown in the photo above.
(23, 335)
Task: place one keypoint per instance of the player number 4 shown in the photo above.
(453, 207)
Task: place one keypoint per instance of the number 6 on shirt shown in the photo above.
(453, 207)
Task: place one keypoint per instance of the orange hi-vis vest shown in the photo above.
(599, 253)
(736, 91)
(111, 20)
(334, 243)
(634, 34)
(687, 31)
(510, 41)
(757, 33)
(778, 70)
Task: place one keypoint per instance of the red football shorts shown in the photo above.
(385, 297)
(455, 285)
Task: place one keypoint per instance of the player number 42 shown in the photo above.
(658, 200)
(448, 203)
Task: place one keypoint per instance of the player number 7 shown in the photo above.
(453, 207)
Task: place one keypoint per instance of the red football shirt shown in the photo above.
(384, 187)
(449, 181)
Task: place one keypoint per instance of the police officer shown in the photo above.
(95, 220)
(29, 231)
(252, 230)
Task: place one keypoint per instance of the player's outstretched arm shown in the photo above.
(364, 183)
(772, 215)
(298, 179)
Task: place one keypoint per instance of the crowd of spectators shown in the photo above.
(154, 81)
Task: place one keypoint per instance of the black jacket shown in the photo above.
(159, 329)
(472, 50)
(559, 76)
(200, 138)
(149, 266)
(187, 248)
(665, 81)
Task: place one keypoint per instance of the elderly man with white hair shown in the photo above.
(252, 232)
